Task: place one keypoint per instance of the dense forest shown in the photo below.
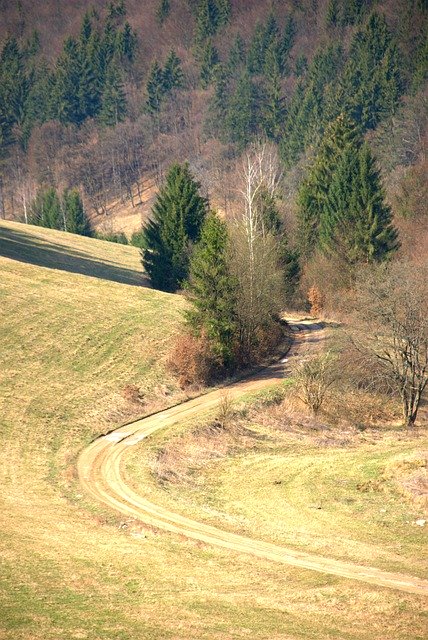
(306, 119)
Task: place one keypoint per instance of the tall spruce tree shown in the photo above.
(155, 89)
(212, 290)
(371, 84)
(46, 210)
(76, 220)
(173, 77)
(273, 109)
(341, 134)
(67, 97)
(113, 100)
(177, 217)
(209, 62)
(242, 116)
(356, 223)
(163, 11)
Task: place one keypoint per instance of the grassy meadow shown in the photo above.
(84, 346)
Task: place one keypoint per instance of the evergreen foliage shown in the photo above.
(273, 107)
(113, 100)
(340, 135)
(212, 290)
(356, 223)
(163, 11)
(209, 62)
(76, 220)
(46, 210)
(173, 77)
(341, 202)
(177, 217)
(371, 84)
(307, 110)
(155, 88)
(126, 42)
(242, 114)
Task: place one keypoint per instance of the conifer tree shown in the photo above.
(126, 42)
(209, 61)
(273, 109)
(163, 11)
(113, 99)
(155, 88)
(177, 217)
(14, 86)
(339, 136)
(237, 55)
(371, 84)
(67, 84)
(286, 44)
(218, 106)
(356, 223)
(224, 12)
(173, 77)
(76, 220)
(242, 116)
(46, 209)
(206, 20)
(212, 290)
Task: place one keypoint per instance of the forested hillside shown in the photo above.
(103, 100)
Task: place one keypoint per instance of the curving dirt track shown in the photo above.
(99, 469)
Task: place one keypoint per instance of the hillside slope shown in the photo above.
(79, 355)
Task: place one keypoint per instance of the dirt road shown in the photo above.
(99, 468)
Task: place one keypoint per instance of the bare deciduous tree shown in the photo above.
(390, 327)
(255, 254)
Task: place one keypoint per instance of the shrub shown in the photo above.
(193, 361)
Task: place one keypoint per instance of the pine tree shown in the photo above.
(46, 209)
(76, 220)
(14, 86)
(332, 14)
(126, 42)
(256, 52)
(209, 62)
(177, 217)
(85, 31)
(286, 44)
(273, 108)
(371, 84)
(224, 12)
(242, 116)
(237, 55)
(218, 106)
(113, 99)
(38, 107)
(212, 290)
(163, 11)
(155, 89)
(89, 92)
(173, 77)
(67, 96)
(206, 21)
(341, 135)
(307, 112)
(375, 237)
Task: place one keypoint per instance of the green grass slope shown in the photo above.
(79, 342)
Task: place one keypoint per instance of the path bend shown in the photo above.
(99, 470)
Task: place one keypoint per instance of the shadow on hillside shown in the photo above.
(21, 246)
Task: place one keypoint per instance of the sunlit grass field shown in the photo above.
(84, 348)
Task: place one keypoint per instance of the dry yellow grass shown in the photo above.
(70, 345)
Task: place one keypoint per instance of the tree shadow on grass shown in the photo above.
(23, 247)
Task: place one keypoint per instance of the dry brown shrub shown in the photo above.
(315, 299)
(193, 361)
